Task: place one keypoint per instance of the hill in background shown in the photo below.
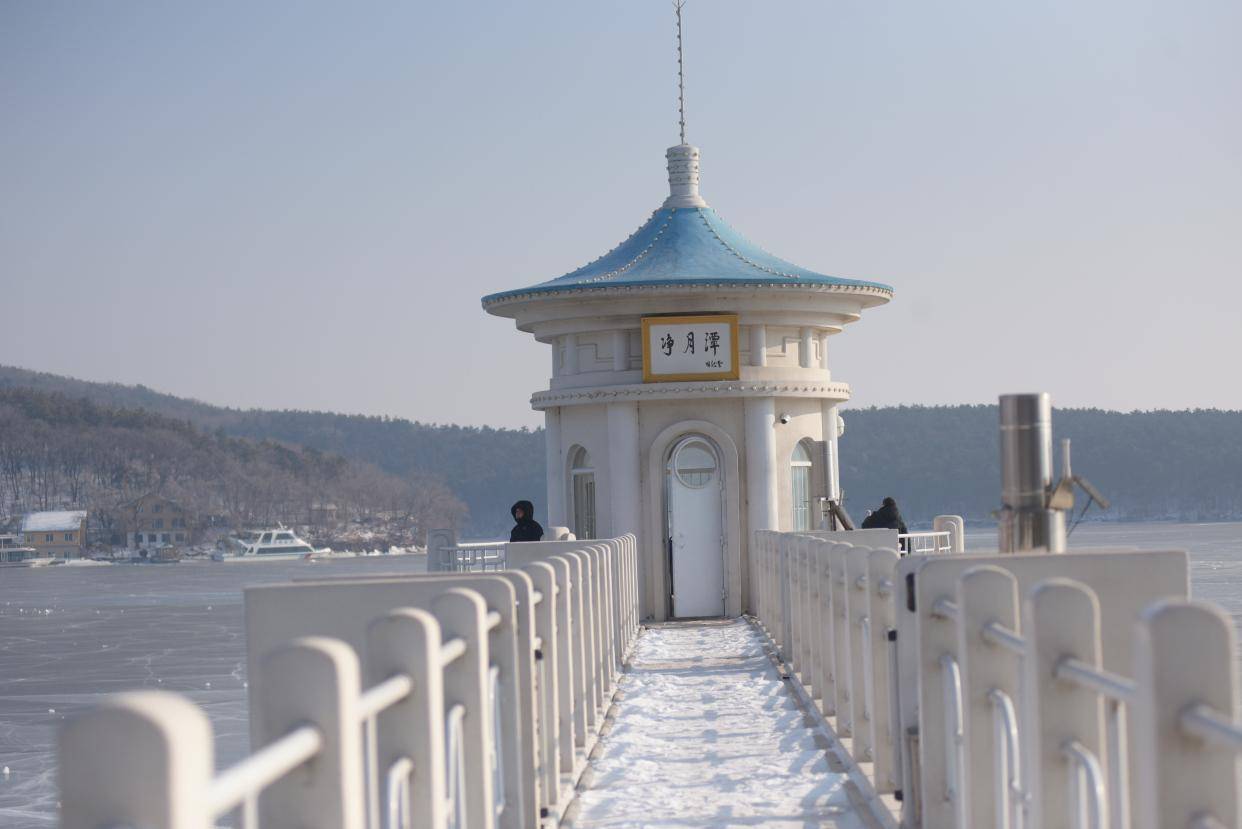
(487, 469)
(58, 451)
(1184, 465)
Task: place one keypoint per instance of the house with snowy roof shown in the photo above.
(56, 533)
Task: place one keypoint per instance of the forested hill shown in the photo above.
(58, 451)
(1184, 465)
(486, 468)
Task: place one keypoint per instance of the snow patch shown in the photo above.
(708, 735)
(56, 521)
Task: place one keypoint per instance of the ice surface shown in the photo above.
(708, 735)
(71, 635)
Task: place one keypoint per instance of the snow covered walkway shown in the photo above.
(708, 735)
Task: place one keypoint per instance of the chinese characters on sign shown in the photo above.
(702, 347)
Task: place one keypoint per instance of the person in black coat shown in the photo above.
(527, 528)
(887, 517)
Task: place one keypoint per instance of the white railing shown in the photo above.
(1033, 691)
(463, 700)
(926, 543)
(467, 556)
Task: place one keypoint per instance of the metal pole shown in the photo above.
(1026, 522)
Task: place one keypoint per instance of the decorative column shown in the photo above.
(556, 468)
(623, 472)
(806, 351)
(758, 345)
(823, 350)
(620, 350)
(760, 416)
(571, 354)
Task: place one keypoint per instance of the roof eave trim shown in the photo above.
(558, 292)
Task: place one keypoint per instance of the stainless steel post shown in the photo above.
(1026, 522)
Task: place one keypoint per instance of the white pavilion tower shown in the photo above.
(691, 400)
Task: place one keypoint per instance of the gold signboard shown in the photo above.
(699, 347)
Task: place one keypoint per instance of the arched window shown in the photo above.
(694, 463)
(582, 479)
(800, 476)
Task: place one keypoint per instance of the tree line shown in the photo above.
(1152, 465)
(1184, 465)
(59, 452)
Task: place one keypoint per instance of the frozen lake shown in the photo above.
(69, 635)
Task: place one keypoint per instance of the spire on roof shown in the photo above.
(683, 160)
(681, 73)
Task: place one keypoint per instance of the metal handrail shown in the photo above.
(455, 765)
(1208, 724)
(400, 813)
(498, 760)
(384, 695)
(452, 650)
(868, 669)
(1088, 803)
(994, 633)
(250, 776)
(942, 541)
(1107, 684)
(951, 677)
(1009, 792)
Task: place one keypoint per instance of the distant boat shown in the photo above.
(279, 544)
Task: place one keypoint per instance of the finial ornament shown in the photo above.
(683, 160)
(681, 73)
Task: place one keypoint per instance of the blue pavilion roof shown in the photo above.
(688, 244)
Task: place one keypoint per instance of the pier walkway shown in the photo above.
(705, 733)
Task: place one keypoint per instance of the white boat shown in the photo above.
(278, 544)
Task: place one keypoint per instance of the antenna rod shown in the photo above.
(681, 76)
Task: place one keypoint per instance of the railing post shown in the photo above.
(314, 680)
(956, 527)
(881, 610)
(141, 759)
(843, 677)
(822, 627)
(986, 594)
(584, 631)
(794, 655)
(1185, 656)
(518, 738)
(462, 613)
(784, 599)
(407, 642)
(599, 626)
(1061, 618)
(568, 664)
(544, 577)
(441, 547)
(856, 613)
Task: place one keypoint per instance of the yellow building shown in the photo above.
(153, 520)
(59, 533)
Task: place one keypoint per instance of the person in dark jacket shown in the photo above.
(887, 517)
(527, 528)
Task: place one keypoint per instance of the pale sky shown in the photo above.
(298, 205)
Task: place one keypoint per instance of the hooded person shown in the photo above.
(526, 528)
(887, 517)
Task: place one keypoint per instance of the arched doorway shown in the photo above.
(694, 513)
(582, 492)
(800, 478)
